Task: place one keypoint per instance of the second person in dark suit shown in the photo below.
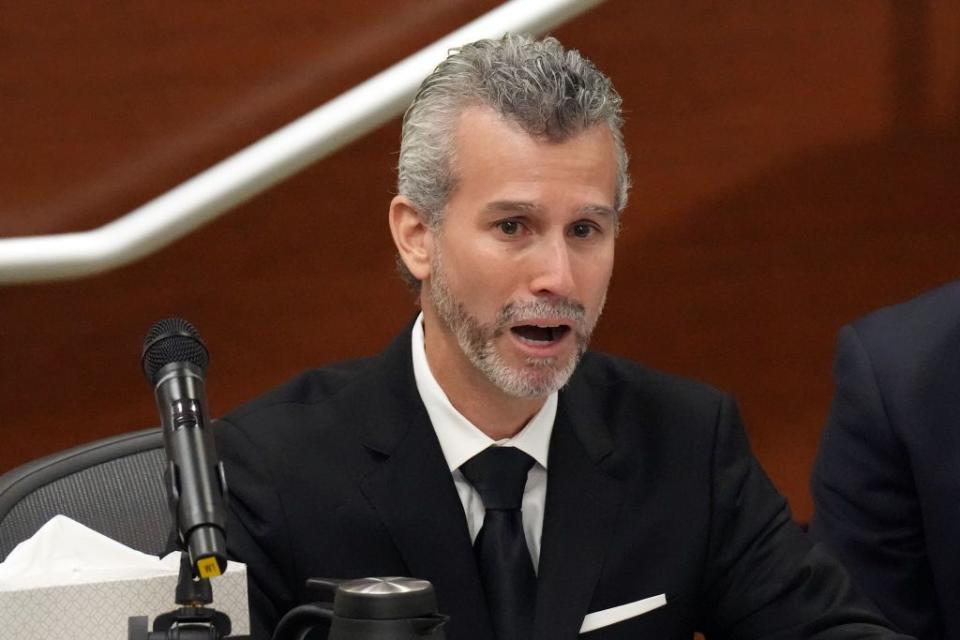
(886, 482)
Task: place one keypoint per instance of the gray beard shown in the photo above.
(538, 377)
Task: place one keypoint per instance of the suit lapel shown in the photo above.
(583, 502)
(413, 492)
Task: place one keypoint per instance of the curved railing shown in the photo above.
(264, 163)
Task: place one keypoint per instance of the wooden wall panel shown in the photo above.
(795, 165)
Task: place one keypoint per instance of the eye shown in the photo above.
(508, 227)
(583, 229)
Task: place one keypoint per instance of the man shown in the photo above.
(640, 512)
(886, 483)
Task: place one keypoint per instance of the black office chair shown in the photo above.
(114, 486)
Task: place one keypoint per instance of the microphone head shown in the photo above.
(172, 340)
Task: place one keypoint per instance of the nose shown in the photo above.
(552, 268)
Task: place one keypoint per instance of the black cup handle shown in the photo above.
(426, 625)
(300, 621)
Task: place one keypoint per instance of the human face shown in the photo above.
(522, 259)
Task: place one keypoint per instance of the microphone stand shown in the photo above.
(193, 619)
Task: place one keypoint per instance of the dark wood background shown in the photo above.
(795, 162)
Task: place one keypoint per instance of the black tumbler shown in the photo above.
(369, 609)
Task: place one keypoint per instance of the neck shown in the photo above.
(496, 413)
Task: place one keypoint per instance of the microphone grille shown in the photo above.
(172, 340)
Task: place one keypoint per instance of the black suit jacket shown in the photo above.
(887, 478)
(651, 490)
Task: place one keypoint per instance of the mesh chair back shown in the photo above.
(114, 486)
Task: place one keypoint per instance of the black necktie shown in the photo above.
(499, 474)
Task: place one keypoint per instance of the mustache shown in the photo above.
(562, 311)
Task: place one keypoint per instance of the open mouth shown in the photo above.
(535, 334)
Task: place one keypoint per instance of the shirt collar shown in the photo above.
(460, 439)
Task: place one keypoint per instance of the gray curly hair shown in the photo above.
(549, 91)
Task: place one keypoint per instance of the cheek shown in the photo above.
(486, 266)
(483, 284)
(489, 291)
(595, 277)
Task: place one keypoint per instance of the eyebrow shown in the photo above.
(519, 206)
(600, 209)
(511, 206)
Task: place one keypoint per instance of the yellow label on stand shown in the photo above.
(208, 567)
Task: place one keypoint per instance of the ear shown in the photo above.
(413, 238)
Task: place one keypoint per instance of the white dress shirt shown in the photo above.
(460, 440)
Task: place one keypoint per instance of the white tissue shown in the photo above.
(64, 552)
(69, 582)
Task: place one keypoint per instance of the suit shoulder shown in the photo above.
(620, 379)
(917, 329)
(313, 386)
(930, 311)
(664, 416)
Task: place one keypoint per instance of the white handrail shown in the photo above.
(264, 163)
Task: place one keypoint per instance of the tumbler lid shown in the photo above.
(385, 598)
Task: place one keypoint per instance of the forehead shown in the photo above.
(492, 153)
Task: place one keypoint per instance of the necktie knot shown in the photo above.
(499, 474)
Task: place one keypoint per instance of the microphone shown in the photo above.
(175, 361)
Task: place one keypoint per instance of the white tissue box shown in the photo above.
(100, 610)
(68, 581)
